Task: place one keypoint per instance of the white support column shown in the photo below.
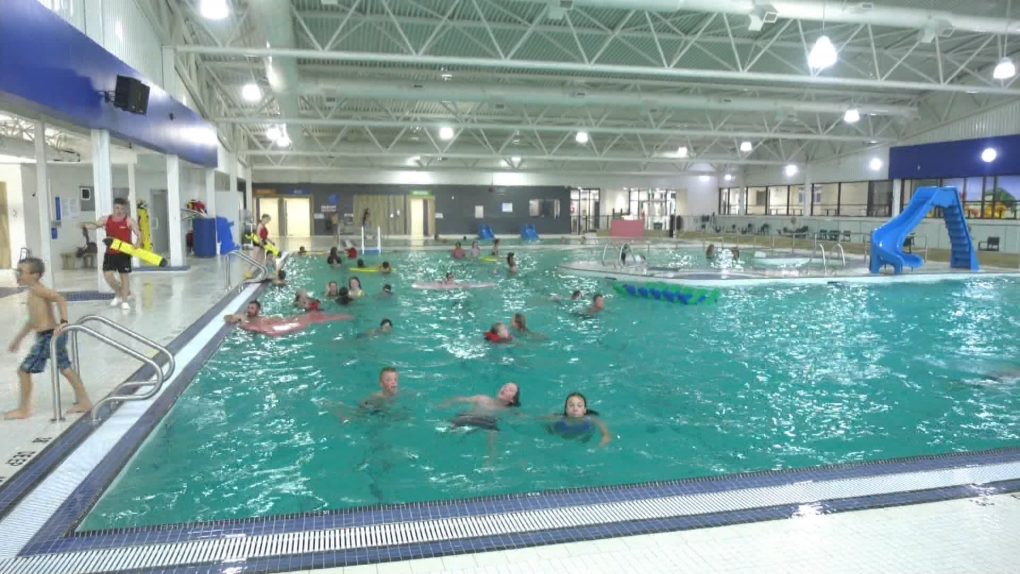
(102, 182)
(248, 196)
(42, 195)
(808, 190)
(132, 192)
(173, 209)
(210, 191)
(232, 172)
(897, 194)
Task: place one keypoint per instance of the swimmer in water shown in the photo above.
(343, 296)
(495, 247)
(597, 304)
(301, 251)
(354, 288)
(520, 324)
(448, 280)
(486, 412)
(475, 250)
(579, 422)
(387, 291)
(361, 264)
(511, 264)
(457, 252)
(305, 302)
(333, 259)
(736, 253)
(385, 328)
(250, 315)
(389, 383)
(710, 252)
(575, 296)
(332, 290)
(280, 279)
(498, 333)
(385, 268)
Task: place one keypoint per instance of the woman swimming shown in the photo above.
(579, 422)
(354, 288)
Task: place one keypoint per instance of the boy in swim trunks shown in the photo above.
(597, 304)
(483, 415)
(40, 319)
(385, 268)
(389, 383)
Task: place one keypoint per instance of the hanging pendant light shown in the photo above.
(823, 54)
(1004, 70)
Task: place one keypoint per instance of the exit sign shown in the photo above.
(421, 192)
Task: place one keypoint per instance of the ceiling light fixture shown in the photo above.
(214, 9)
(823, 54)
(791, 170)
(446, 133)
(682, 151)
(705, 178)
(875, 164)
(251, 92)
(1004, 70)
(581, 137)
(516, 159)
(273, 133)
(283, 141)
(413, 160)
(852, 116)
(989, 155)
(728, 177)
(746, 146)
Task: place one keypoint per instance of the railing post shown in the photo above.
(58, 415)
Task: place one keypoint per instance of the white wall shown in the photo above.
(1000, 121)
(702, 196)
(10, 174)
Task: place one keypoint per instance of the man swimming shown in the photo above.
(250, 315)
(597, 304)
(252, 320)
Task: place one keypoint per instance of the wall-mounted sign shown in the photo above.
(333, 200)
(318, 216)
(439, 216)
(327, 208)
(508, 208)
(263, 192)
(295, 192)
(420, 192)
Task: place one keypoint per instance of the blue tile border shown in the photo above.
(19, 485)
(167, 269)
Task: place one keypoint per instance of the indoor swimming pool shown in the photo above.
(768, 378)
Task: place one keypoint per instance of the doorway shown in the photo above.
(417, 217)
(159, 215)
(5, 231)
(270, 206)
(298, 211)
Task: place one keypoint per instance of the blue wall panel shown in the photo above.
(50, 67)
(955, 159)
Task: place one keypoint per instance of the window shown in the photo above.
(549, 208)
(825, 199)
(973, 191)
(779, 199)
(1005, 194)
(853, 199)
(756, 198)
(881, 199)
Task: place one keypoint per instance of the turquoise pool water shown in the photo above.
(768, 378)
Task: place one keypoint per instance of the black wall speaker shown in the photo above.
(131, 95)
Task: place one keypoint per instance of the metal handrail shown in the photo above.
(604, 249)
(264, 272)
(825, 264)
(113, 396)
(842, 254)
(171, 364)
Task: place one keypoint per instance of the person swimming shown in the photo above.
(354, 288)
(710, 252)
(301, 251)
(333, 258)
(511, 263)
(385, 328)
(598, 303)
(575, 296)
(279, 279)
(343, 296)
(305, 302)
(385, 268)
(361, 264)
(387, 291)
(332, 291)
(577, 421)
(485, 411)
(495, 247)
(457, 252)
(475, 250)
(448, 280)
(735, 251)
(498, 333)
(519, 323)
(379, 401)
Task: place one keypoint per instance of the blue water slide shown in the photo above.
(887, 241)
(485, 232)
(528, 232)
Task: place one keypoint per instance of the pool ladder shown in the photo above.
(263, 272)
(118, 393)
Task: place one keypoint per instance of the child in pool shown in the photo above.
(498, 334)
(475, 250)
(579, 422)
(354, 288)
(332, 291)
